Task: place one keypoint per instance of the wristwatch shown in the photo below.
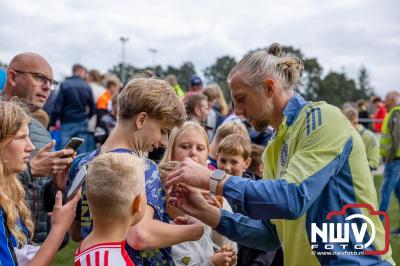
(215, 177)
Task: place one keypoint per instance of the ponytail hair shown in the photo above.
(270, 63)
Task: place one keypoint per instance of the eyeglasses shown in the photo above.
(41, 79)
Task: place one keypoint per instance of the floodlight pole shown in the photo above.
(154, 52)
(123, 71)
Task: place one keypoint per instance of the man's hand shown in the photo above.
(216, 201)
(188, 199)
(48, 163)
(191, 201)
(190, 173)
(60, 179)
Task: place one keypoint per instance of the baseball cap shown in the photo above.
(195, 81)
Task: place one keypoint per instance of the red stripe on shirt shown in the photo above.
(88, 260)
(97, 258)
(78, 263)
(106, 258)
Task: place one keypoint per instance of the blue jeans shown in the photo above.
(391, 182)
(79, 130)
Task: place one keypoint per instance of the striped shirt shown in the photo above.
(103, 254)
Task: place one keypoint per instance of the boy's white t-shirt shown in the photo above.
(103, 254)
(195, 253)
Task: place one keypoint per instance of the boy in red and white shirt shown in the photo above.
(115, 192)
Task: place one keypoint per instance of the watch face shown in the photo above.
(218, 174)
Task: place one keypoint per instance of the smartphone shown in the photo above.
(74, 144)
(76, 183)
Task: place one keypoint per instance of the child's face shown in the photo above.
(17, 150)
(154, 134)
(190, 144)
(232, 164)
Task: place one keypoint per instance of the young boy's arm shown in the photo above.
(154, 234)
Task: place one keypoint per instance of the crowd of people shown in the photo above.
(177, 177)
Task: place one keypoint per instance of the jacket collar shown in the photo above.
(293, 108)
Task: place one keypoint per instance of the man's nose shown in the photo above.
(164, 141)
(46, 86)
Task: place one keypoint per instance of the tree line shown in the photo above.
(334, 87)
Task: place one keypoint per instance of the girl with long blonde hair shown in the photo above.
(12, 120)
(16, 226)
(191, 141)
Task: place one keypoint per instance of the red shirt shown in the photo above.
(103, 254)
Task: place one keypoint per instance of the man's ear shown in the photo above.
(11, 74)
(269, 87)
(140, 120)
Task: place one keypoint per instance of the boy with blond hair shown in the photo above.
(148, 109)
(222, 132)
(234, 154)
(117, 200)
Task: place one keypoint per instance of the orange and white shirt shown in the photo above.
(103, 254)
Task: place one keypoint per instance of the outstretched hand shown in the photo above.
(216, 201)
(188, 199)
(190, 173)
(191, 201)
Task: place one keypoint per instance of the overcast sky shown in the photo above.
(341, 34)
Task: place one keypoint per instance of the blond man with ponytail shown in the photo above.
(316, 164)
(16, 226)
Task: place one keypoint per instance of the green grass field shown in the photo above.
(66, 256)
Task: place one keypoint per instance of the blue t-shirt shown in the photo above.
(8, 242)
(155, 198)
